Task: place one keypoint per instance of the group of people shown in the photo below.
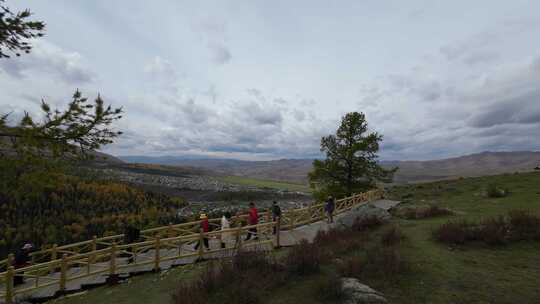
(226, 236)
(253, 220)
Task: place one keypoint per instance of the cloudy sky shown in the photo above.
(267, 79)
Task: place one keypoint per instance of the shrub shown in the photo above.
(365, 223)
(304, 258)
(378, 261)
(351, 267)
(454, 232)
(384, 262)
(524, 225)
(493, 231)
(243, 279)
(424, 212)
(519, 225)
(434, 210)
(337, 240)
(391, 236)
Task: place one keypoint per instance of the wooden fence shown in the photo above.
(56, 267)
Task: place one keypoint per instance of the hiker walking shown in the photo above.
(276, 213)
(225, 225)
(329, 208)
(205, 228)
(131, 235)
(22, 259)
(253, 219)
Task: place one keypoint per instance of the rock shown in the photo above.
(362, 212)
(356, 292)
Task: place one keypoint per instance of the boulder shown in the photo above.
(356, 292)
(362, 212)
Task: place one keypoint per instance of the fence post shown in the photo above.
(239, 238)
(201, 240)
(268, 213)
(63, 273)
(94, 248)
(112, 262)
(10, 260)
(54, 256)
(170, 231)
(157, 254)
(54, 252)
(134, 250)
(278, 230)
(10, 274)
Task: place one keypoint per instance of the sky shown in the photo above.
(259, 80)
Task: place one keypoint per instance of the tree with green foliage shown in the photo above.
(82, 127)
(16, 30)
(351, 164)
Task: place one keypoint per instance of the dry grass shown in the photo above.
(424, 212)
(304, 258)
(517, 226)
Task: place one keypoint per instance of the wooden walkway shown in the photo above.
(76, 270)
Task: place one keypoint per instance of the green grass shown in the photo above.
(472, 273)
(269, 184)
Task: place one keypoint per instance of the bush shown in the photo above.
(337, 240)
(365, 223)
(519, 225)
(304, 258)
(524, 225)
(378, 261)
(351, 267)
(392, 236)
(243, 279)
(424, 212)
(493, 231)
(453, 232)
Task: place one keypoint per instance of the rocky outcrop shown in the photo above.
(361, 212)
(356, 293)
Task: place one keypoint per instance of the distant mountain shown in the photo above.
(480, 164)
(295, 170)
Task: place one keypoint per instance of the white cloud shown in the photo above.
(49, 60)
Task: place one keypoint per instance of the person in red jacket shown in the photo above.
(205, 227)
(253, 219)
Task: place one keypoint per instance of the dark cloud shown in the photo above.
(521, 109)
(261, 114)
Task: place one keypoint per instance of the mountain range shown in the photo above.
(295, 170)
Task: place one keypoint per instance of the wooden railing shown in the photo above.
(61, 265)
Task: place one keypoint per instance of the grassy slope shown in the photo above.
(470, 274)
(438, 274)
(261, 183)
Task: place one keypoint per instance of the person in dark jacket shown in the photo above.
(276, 213)
(22, 259)
(131, 235)
(329, 208)
(253, 219)
(205, 227)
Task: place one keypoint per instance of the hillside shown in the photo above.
(432, 272)
(295, 170)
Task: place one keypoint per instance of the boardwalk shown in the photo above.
(79, 269)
